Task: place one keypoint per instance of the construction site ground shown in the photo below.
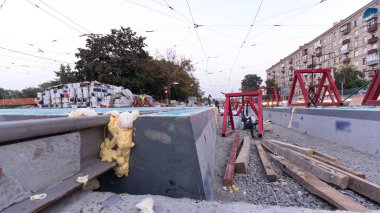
(255, 192)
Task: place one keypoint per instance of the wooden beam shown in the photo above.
(230, 168)
(357, 184)
(306, 151)
(339, 166)
(241, 163)
(318, 187)
(319, 156)
(270, 173)
(319, 169)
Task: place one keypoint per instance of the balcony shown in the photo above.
(372, 28)
(318, 51)
(370, 14)
(345, 41)
(310, 66)
(304, 59)
(345, 49)
(372, 40)
(345, 29)
(372, 51)
(372, 59)
(304, 52)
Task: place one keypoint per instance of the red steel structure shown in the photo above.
(141, 102)
(250, 100)
(373, 92)
(311, 97)
(275, 97)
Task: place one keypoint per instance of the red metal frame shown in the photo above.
(373, 92)
(251, 102)
(326, 74)
(137, 102)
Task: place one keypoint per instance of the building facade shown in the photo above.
(352, 41)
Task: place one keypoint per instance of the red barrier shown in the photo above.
(373, 92)
(250, 100)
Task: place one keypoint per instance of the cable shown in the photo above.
(245, 38)
(3, 4)
(167, 5)
(157, 11)
(65, 17)
(55, 17)
(196, 31)
(35, 56)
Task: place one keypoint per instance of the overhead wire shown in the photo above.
(245, 38)
(157, 11)
(72, 21)
(167, 5)
(1, 6)
(52, 15)
(35, 56)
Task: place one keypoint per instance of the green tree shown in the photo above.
(31, 92)
(117, 58)
(270, 83)
(65, 75)
(251, 82)
(353, 78)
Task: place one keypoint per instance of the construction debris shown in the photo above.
(328, 173)
(230, 168)
(308, 164)
(318, 187)
(270, 173)
(146, 205)
(38, 196)
(241, 163)
(319, 156)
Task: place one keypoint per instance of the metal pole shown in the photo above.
(342, 88)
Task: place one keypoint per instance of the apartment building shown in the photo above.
(352, 41)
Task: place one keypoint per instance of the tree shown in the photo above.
(353, 78)
(31, 92)
(270, 83)
(251, 82)
(117, 58)
(65, 75)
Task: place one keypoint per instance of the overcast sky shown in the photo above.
(224, 26)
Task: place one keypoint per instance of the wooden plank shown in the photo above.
(319, 156)
(94, 168)
(306, 151)
(270, 173)
(338, 165)
(230, 168)
(319, 169)
(242, 160)
(325, 156)
(357, 184)
(318, 187)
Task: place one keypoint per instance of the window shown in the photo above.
(356, 63)
(374, 46)
(356, 33)
(365, 40)
(356, 53)
(364, 50)
(356, 43)
(356, 23)
(364, 61)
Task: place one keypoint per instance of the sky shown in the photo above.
(232, 38)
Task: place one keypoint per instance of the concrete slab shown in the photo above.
(174, 156)
(356, 127)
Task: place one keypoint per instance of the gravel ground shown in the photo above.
(109, 202)
(255, 189)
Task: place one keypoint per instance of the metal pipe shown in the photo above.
(364, 85)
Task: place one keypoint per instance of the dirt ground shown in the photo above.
(255, 189)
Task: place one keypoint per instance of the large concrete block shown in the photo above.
(354, 127)
(32, 165)
(174, 156)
